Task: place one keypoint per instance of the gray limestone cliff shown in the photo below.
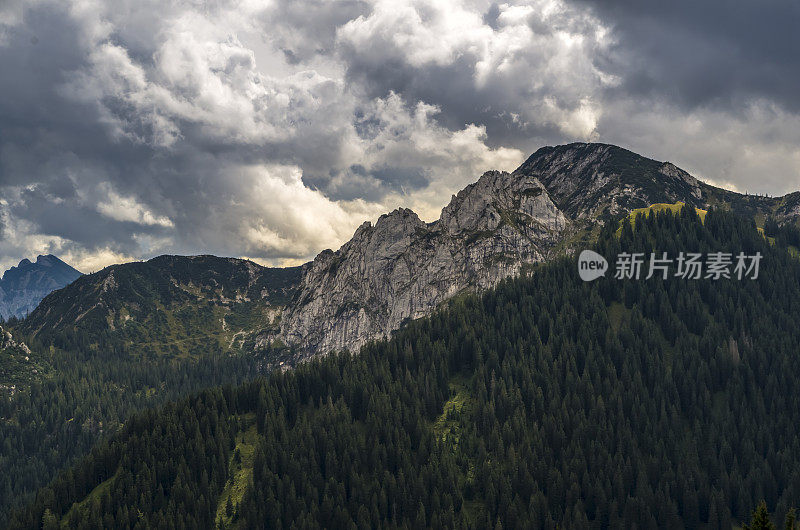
(402, 268)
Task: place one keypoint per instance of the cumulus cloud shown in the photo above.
(129, 209)
(523, 71)
(273, 129)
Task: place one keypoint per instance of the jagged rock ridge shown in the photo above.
(402, 268)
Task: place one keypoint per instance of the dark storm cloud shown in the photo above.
(714, 52)
(29, 106)
(51, 146)
(451, 87)
(146, 126)
(45, 141)
(378, 53)
(136, 128)
(358, 182)
(71, 220)
(64, 163)
(303, 29)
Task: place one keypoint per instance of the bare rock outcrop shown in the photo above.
(402, 268)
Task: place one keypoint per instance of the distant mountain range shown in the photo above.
(23, 287)
(396, 270)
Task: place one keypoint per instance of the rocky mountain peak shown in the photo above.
(496, 198)
(401, 222)
(599, 182)
(24, 286)
(47, 261)
(402, 268)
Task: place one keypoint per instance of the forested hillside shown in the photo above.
(120, 340)
(170, 305)
(47, 422)
(546, 401)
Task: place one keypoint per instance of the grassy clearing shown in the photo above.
(660, 207)
(447, 426)
(793, 250)
(94, 496)
(240, 472)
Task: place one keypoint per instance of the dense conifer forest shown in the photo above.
(544, 402)
(52, 418)
(120, 340)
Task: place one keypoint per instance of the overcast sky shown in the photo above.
(272, 129)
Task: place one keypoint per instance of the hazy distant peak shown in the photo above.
(24, 286)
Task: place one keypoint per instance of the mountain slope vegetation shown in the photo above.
(50, 420)
(545, 401)
(120, 340)
(18, 364)
(170, 305)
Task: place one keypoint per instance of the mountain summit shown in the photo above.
(24, 286)
(600, 182)
(395, 270)
(402, 268)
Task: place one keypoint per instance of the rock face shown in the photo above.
(402, 268)
(24, 286)
(7, 342)
(600, 182)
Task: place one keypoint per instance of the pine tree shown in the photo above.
(760, 519)
(49, 521)
(791, 520)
